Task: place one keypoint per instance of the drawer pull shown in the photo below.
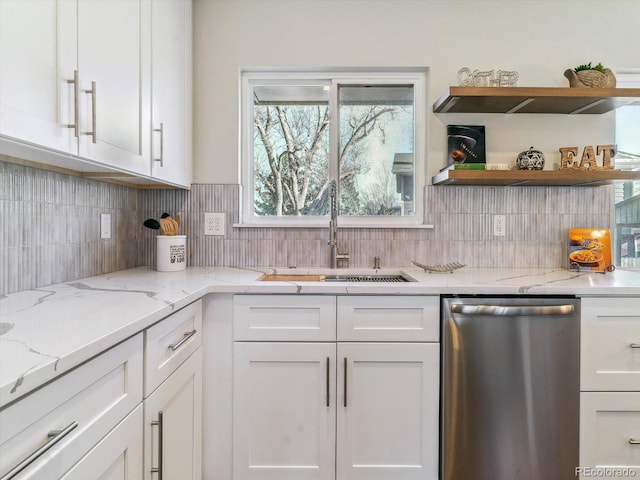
(634, 441)
(634, 345)
(160, 426)
(53, 438)
(187, 336)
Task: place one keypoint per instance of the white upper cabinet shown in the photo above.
(37, 61)
(113, 64)
(171, 91)
(103, 86)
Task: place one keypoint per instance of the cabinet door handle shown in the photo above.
(93, 94)
(327, 384)
(160, 426)
(75, 125)
(161, 130)
(634, 441)
(634, 345)
(175, 346)
(53, 438)
(345, 381)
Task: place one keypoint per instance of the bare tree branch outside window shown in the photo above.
(292, 149)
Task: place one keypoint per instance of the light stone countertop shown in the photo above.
(48, 331)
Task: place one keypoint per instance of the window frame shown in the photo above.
(281, 76)
(630, 78)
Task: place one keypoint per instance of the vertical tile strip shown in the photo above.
(51, 232)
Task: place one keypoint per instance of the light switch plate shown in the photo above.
(214, 223)
(105, 225)
(499, 225)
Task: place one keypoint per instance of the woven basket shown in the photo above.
(596, 79)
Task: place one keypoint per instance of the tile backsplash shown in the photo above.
(51, 228)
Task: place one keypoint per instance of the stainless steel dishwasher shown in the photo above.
(510, 388)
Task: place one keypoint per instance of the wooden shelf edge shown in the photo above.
(533, 178)
(479, 98)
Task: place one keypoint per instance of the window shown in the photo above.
(303, 130)
(626, 248)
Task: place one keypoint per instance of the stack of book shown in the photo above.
(477, 166)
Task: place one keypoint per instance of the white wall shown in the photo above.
(539, 39)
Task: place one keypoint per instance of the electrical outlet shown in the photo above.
(214, 223)
(105, 225)
(499, 225)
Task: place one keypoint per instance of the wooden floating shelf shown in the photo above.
(560, 178)
(560, 100)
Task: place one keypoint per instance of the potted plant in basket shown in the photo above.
(590, 77)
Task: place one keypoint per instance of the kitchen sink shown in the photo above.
(349, 277)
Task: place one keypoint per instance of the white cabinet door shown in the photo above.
(610, 344)
(609, 434)
(118, 456)
(284, 411)
(173, 424)
(37, 57)
(114, 52)
(388, 411)
(171, 90)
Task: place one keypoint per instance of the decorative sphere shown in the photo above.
(530, 160)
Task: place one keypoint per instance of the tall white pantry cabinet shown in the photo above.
(89, 82)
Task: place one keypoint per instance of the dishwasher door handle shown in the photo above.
(513, 311)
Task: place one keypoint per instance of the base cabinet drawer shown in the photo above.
(73, 413)
(610, 344)
(389, 318)
(169, 343)
(303, 318)
(609, 435)
(118, 456)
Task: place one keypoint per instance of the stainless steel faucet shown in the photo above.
(337, 259)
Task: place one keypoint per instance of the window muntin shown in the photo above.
(310, 118)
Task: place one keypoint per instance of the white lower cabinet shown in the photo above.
(331, 409)
(388, 411)
(118, 456)
(610, 434)
(610, 388)
(134, 408)
(173, 425)
(284, 411)
(70, 415)
(173, 396)
(610, 344)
